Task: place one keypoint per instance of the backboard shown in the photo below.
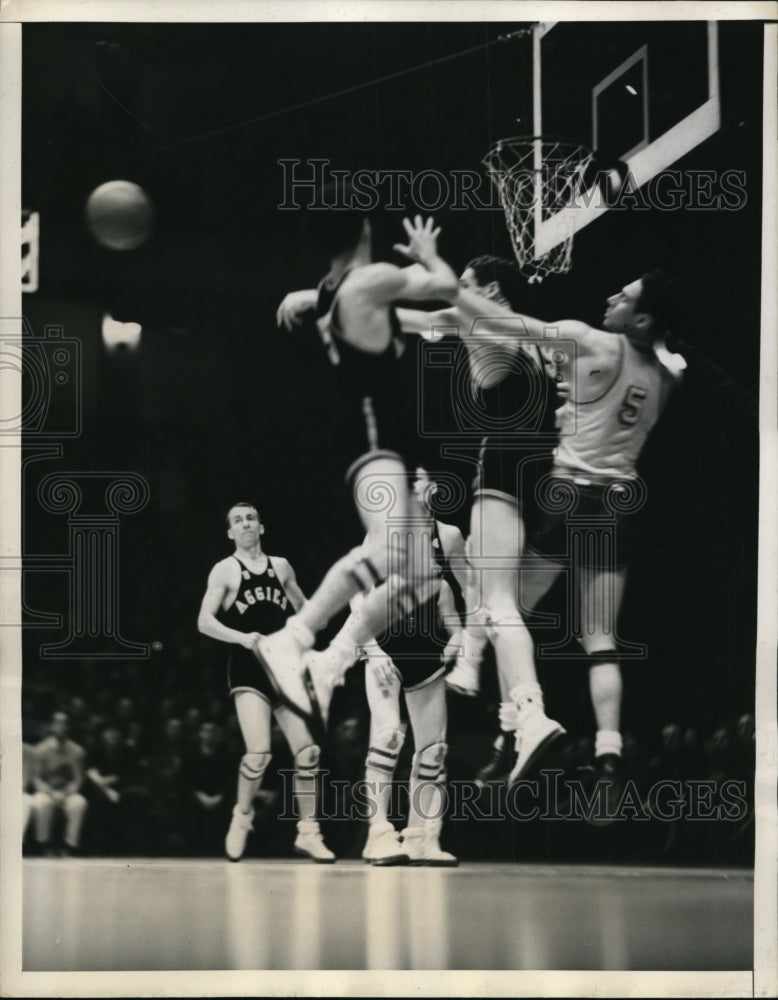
(646, 93)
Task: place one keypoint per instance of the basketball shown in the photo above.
(119, 215)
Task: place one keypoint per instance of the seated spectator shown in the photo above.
(114, 793)
(168, 799)
(58, 780)
(209, 775)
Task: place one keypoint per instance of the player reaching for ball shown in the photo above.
(394, 566)
(251, 593)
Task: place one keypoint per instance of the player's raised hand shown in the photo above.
(294, 306)
(422, 243)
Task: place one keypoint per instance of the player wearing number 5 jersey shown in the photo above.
(621, 378)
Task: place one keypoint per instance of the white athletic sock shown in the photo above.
(526, 698)
(607, 741)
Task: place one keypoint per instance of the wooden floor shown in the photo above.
(127, 914)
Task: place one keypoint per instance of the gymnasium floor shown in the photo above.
(140, 914)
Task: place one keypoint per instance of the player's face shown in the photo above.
(621, 313)
(469, 281)
(245, 527)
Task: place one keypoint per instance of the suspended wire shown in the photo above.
(113, 96)
(520, 32)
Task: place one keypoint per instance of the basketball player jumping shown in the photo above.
(394, 567)
(517, 402)
(621, 377)
(250, 594)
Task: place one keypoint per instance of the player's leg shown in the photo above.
(465, 676)
(389, 554)
(254, 719)
(601, 591)
(497, 538)
(427, 712)
(387, 735)
(74, 808)
(534, 583)
(306, 754)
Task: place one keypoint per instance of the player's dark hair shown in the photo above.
(487, 268)
(336, 217)
(241, 503)
(660, 299)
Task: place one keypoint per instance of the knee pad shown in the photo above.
(601, 656)
(362, 569)
(385, 749)
(429, 764)
(307, 759)
(254, 765)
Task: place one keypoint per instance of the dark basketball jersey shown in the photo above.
(362, 372)
(376, 405)
(523, 404)
(261, 604)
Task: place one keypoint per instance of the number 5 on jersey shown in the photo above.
(634, 398)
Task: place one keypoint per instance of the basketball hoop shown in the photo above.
(537, 177)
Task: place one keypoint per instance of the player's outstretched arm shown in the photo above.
(429, 278)
(485, 317)
(433, 278)
(294, 306)
(207, 622)
(426, 323)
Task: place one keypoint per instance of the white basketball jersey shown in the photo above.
(604, 437)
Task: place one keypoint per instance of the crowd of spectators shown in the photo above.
(121, 759)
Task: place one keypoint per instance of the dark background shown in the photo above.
(217, 405)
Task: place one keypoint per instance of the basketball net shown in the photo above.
(537, 177)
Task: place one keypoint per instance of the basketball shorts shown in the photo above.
(512, 472)
(415, 646)
(590, 523)
(372, 427)
(245, 674)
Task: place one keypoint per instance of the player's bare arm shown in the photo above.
(453, 545)
(221, 583)
(429, 277)
(286, 575)
(294, 306)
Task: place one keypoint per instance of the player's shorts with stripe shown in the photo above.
(415, 646)
(245, 674)
(591, 522)
(511, 471)
(373, 427)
